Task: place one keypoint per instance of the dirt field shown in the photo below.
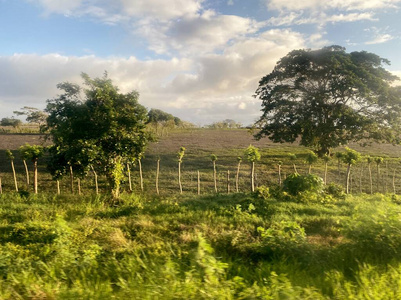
(227, 145)
(198, 140)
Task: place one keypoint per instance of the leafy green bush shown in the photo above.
(295, 184)
(263, 192)
(334, 190)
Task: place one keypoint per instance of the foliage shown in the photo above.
(10, 155)
(31, 152)
(10, 122)
(350, 156)
(263, 192)
(326, 158)
(106, 129)
(252, 154)
(225, 124)
(295, 184)
(335, 190)
(311, 158)
(158, 116)
(181, 154)
(339, 155)
(212, 247)
(282, 236)
(33, 115)
(328, 97)
(378, 160)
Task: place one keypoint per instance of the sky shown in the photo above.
(200, 60)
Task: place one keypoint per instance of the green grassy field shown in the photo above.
(238, 246)
(263, 245)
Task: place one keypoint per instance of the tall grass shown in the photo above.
(238, 246)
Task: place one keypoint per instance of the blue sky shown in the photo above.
(198, 59)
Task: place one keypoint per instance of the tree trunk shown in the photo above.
(310, 169)
(179, 177)
(279, 175)
(228, 182)
(14, 175)
(215, 176)
(58, 187)
(1, 188)
(348, 178)
(129, 178)
(378, 178)
(237, 177)
(325, 173)
(295, 168)
(157, 176)
(72, 180)
(360, 179)
(27, 173)
(370, 179)
(198, 183)
(35, 176)
(140, 174)
(253, 177)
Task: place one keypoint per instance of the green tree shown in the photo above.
(96, 126)
(162, 119)
(311, 158)
(10, 122)
(252, 155)
(33, 153)
(33, 115)
(329, 97)
(350, 157)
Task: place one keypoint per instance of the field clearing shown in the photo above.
(227, 145)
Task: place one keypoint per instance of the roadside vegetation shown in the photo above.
(264, 245)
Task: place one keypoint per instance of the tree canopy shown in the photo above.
(329, 97)
(95, 126)
(10, 122)
(33, 115)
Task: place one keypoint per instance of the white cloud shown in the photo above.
(348, 5)
(202, 91)
(295, 12)
(58, 6)
(378, 35)
(203, 33)
(382, 38)
(160, 9)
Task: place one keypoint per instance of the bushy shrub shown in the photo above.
(334, 190)
(282, 238)
(295, 184)
(263, 192)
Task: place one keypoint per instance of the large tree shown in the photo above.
(95, 127)
(329, 97)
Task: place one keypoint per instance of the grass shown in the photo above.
(238, 246)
